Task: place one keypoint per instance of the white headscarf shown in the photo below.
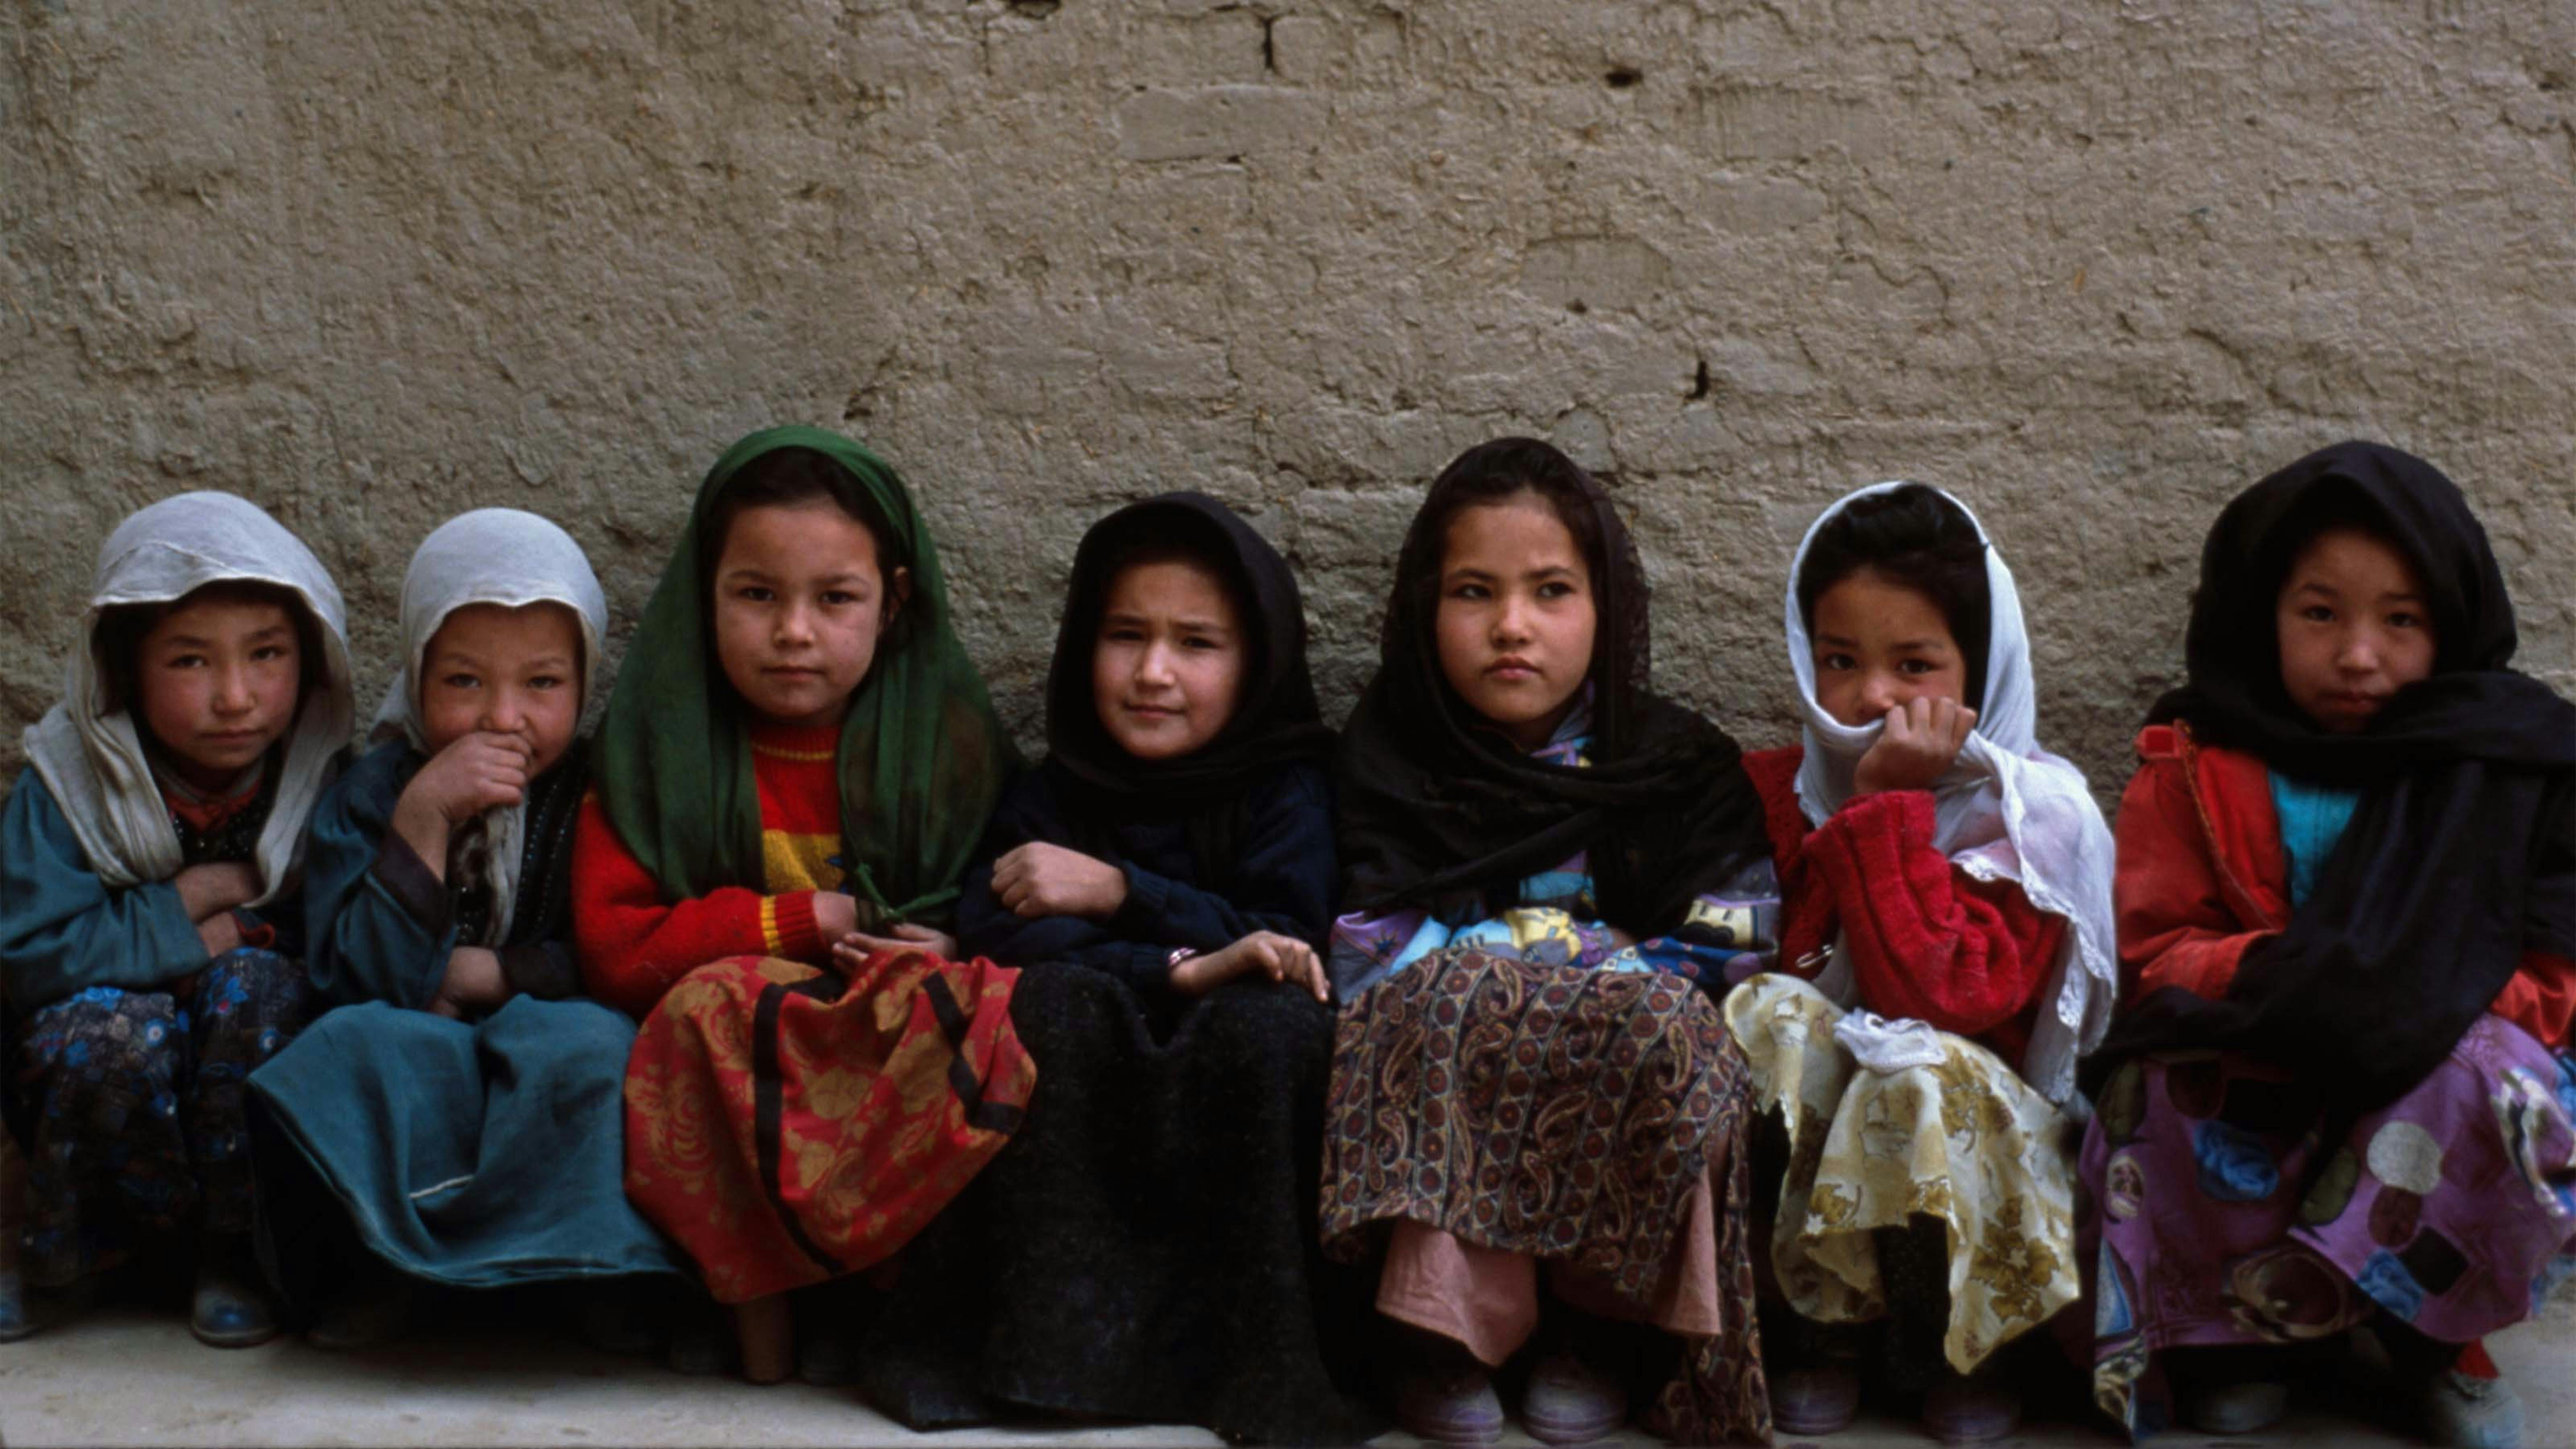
(491, 556)
(2006, 810)
(92, 760)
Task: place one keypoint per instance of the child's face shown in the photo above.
(1880, 646)
(1168, 664)
(800, 604)
(504, 671)
(2353, 628)
(1516, 616)
(217, 683)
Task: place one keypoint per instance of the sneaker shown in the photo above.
(1571, 1402)
(2461, 1412)
(1812, 1402)
(231, 1308)
(2249, 1407)
(1452, 1404)
(1970, 1411)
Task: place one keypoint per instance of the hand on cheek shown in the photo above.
(1921, 742)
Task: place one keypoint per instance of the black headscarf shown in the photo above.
(1438, 809)
(1276, 721)
(2461, 855)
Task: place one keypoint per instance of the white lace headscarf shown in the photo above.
(91, 758)
(491, 556)
(2007, 810)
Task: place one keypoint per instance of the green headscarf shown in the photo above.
(922, 759)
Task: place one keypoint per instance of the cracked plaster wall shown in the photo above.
(2094, 265)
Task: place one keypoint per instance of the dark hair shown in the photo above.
(2330, 509)
(1189, 538)
(1914, 538)
(1506, 468)
(786, 477)
(117, 643)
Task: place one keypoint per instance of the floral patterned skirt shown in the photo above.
(130, 1104)
(787, 1126)
(1964, 1141)
(1563, 1114)
(2226, 1216)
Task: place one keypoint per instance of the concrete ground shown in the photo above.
(127, 1376)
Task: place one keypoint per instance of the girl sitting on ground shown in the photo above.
(1946, 954)
(150, 859)
(2347, 907)
(788, 784)
(458, 1120)
(1544, 860)
(1162, 879)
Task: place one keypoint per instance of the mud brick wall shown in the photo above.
(2092, 265)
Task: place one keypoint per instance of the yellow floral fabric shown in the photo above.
(1964, 1140)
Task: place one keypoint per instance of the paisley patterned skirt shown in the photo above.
(2224, 1214)
(1964, 1140)
(1560, 1113)
(788, 1126)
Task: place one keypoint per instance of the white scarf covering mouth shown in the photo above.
(92, 760)
(2006, 810)
(513, 559)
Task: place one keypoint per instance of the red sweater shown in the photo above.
(635, 944)
(1927, 939)
(2202, 876)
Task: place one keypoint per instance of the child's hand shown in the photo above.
(855, 947)
(1281, 958)
(836, 914)
(475, 773)
(479, 772)
(207, 891)
(1039, 879)
(1922, 740)
(473, 983)
(220, 934)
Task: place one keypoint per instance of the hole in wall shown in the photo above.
(1036, 9)
(1699, 381)
(1622, 77)
(1577, 307)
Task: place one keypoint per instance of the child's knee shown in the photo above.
(106, 1039)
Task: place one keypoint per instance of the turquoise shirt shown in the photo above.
(2313, 818)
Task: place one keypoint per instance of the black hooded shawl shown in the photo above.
(2461, 855)
(1439, 810)
(1276, 721)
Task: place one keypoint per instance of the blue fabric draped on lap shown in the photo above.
(477, 1155)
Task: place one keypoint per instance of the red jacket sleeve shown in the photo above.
(634, 945)
(2541, 998)
(2176, 926)
(1928, 940)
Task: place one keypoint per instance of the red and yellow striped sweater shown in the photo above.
(635, 945)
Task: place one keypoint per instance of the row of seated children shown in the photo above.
(1635, 1072)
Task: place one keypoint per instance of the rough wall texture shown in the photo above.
(2093, 265)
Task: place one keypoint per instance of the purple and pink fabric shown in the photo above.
(2224, 1215)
